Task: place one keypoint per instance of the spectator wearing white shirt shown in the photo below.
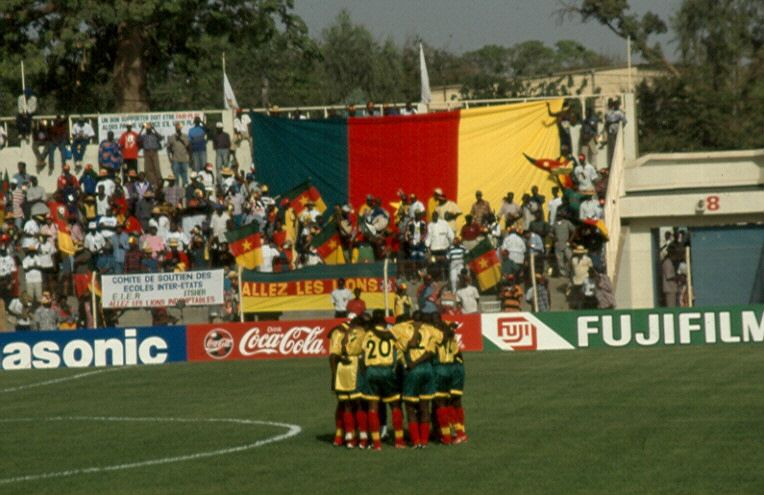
(103, 204)
(513, 248)
(554, 204)
(340, 299)
(269, 252)
(439, 235)
(219, 223)
(585, 174)
(94, 241)
(7, 269)
(82, 133)
(107, 225)
(590, 209)
(32, 273)
(469, 298)
(415, 206)
(107, 182)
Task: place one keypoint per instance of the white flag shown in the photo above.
(425, 79)
(229, 99)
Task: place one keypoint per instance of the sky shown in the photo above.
(465, 25)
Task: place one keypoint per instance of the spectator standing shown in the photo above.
(455, 255)
(589, 134)
(151, 142)
(580, 265)
(590, 209)
(427, 296)
(439, 238)
(241, 124)
(179, 153)
(448, 211)
(8, 269)
(32, 272)
(356, 306)
(481, 208)
(21, 310)
(222, 144)
(614, 119)
(109, 155)
(509, 210)
(27, 107)
(197, 136)
(563, 230)
(564, 119)
(129, 147)
(468, 297)
(40, 142)
(58, 139)
(585, 175)
(669, 284)
(514, 248)
(340, 299)
(82, 133)
(554, 204)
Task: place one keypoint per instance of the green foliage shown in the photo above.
(711, 99)
(157, 53)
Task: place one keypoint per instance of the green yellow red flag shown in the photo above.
(245, 245)
(328, 244)
(485, 264)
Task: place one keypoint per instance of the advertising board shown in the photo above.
(88, 348)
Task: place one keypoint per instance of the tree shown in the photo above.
(615, 15)
(75, 50)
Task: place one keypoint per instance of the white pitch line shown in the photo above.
(292, 430)
(57, 380)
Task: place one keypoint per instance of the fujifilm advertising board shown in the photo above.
(634, 328)
(92, 348)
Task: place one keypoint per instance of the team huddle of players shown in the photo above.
(414, 361)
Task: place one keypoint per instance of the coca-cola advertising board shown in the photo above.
(287, 339)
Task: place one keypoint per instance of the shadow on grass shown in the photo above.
(325, 438)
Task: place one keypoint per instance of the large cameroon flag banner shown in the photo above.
(459, 151)
(310, 288)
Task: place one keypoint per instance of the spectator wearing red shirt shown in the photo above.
(471, 232)
(356, 305)
(128, 144)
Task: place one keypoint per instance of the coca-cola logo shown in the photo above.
(299, 340)
(218, 343)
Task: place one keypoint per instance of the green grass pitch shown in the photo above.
(678, 420)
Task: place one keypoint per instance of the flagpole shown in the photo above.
(533, 281)
(23, 84)
(93, 308)
(223, 62)
(387, 306)
(241, 303)
(628, 62)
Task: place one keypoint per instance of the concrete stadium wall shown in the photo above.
(682, 189)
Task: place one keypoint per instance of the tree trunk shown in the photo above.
(130, 70)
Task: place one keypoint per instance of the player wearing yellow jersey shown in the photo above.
(445, 373)
(337, 339)
(344, 351)
(417, 342)
(455, 408)
(379, 363)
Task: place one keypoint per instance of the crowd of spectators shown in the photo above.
(123, 216)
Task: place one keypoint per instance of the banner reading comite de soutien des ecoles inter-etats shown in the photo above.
(154, 290)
